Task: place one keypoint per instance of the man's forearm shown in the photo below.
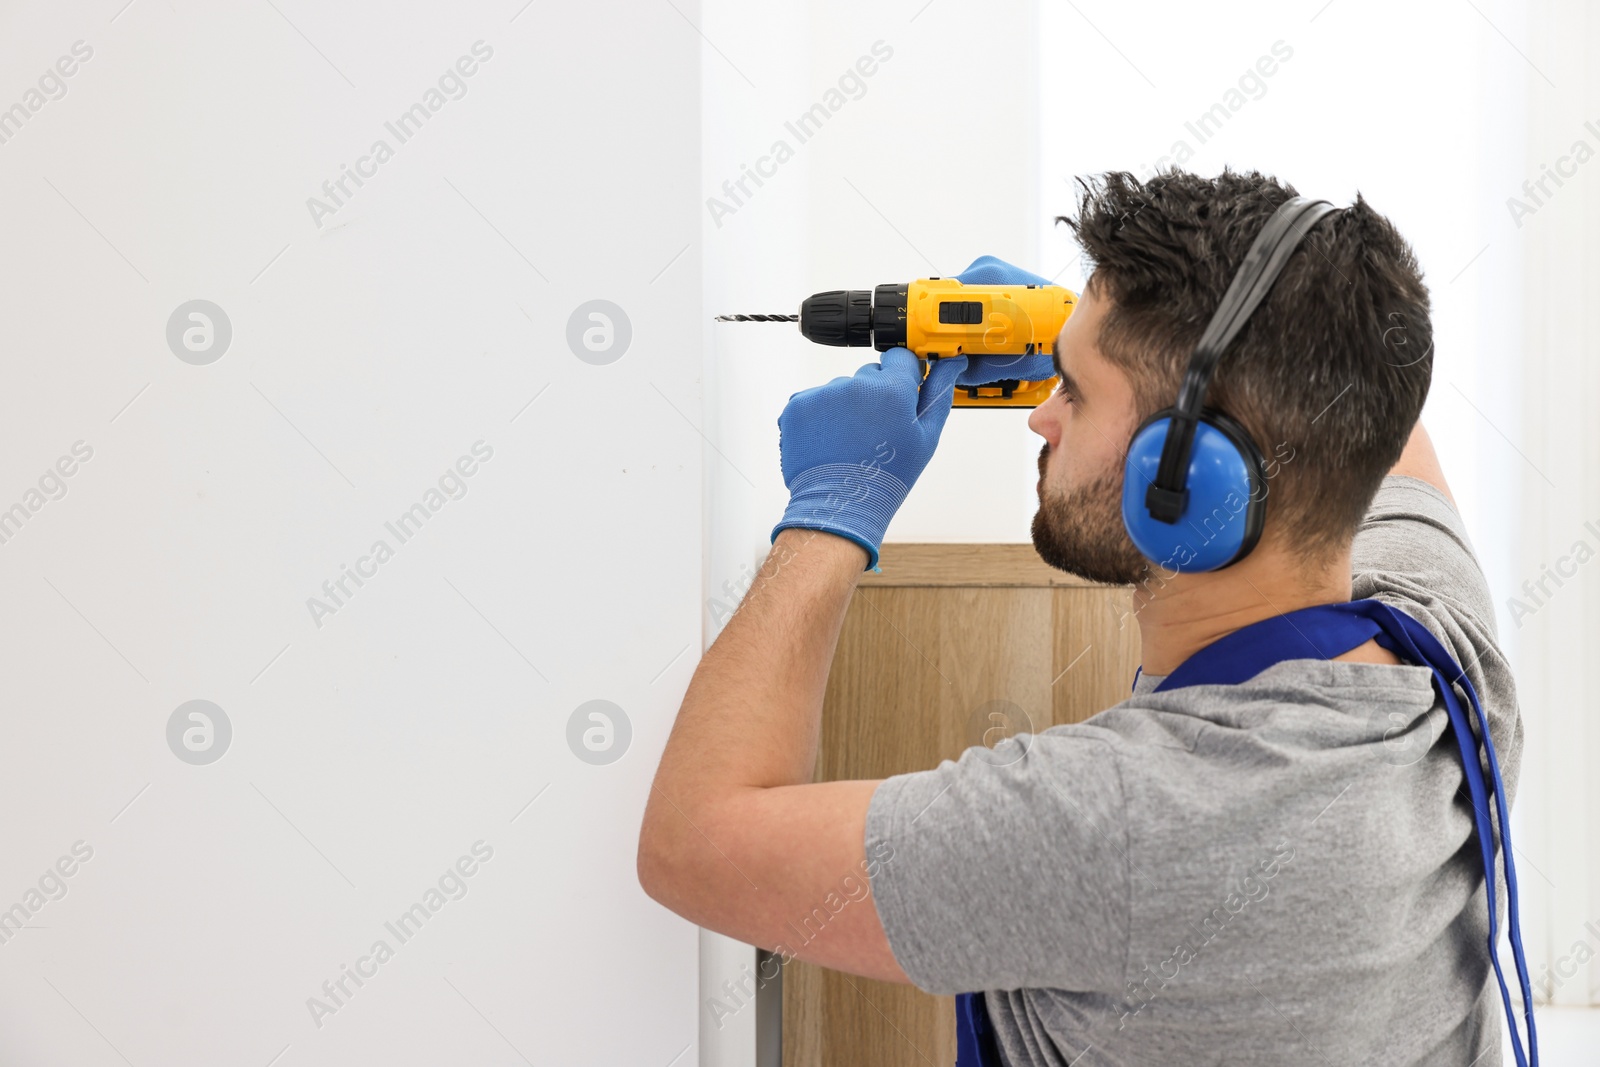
(752, 713)
(1419, 460)
(736, 836)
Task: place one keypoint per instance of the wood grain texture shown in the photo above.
(925, 564)
(952, 646)
(1096, 650)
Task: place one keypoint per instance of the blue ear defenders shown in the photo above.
(1194, 489)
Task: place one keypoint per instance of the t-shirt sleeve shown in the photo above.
(1006, 868)
(1412, 552)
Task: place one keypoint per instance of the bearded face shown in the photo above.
(1078, 528)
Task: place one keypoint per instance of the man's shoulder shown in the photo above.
(1321, 701)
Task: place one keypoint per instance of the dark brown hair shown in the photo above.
(1334, 364)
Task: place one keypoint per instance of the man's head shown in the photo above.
(1328, 376)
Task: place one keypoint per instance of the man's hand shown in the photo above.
(852, 449)
(986, 370)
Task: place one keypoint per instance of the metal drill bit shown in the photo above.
(757, 318)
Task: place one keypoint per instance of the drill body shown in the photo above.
(939, 317)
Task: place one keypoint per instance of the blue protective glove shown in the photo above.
(852, 449)
(986, 370)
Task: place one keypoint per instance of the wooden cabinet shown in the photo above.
(952, 645)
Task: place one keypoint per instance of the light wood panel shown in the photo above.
(948, 643)
(925, 564)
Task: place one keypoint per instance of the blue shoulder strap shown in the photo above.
(1323, 632)
(1330, 630)
(975, 1045)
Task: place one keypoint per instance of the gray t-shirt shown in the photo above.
(1281, 871)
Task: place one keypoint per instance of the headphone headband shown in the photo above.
(1277, 241)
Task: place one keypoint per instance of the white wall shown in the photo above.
(1551, 596)
(367, 355)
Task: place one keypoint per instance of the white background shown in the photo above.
(622, 503)
(370, 354)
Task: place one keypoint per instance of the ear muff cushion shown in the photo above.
(1222, 520)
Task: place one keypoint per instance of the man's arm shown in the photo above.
(1419, 461)
(1413, 552)
(736, 838)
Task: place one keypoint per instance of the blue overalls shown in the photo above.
(1323, 632)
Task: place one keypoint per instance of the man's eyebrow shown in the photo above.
(1067, 380)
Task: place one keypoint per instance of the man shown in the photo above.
(1277, 871)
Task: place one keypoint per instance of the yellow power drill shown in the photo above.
(939, 317)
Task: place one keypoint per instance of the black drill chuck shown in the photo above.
(841, 317)
(855, 318)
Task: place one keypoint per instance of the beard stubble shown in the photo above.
(1080, 531)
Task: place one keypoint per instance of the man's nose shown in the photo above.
(1042, 423)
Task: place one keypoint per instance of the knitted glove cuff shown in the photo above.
(848, 499)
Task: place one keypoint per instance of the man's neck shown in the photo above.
(1181, 614)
